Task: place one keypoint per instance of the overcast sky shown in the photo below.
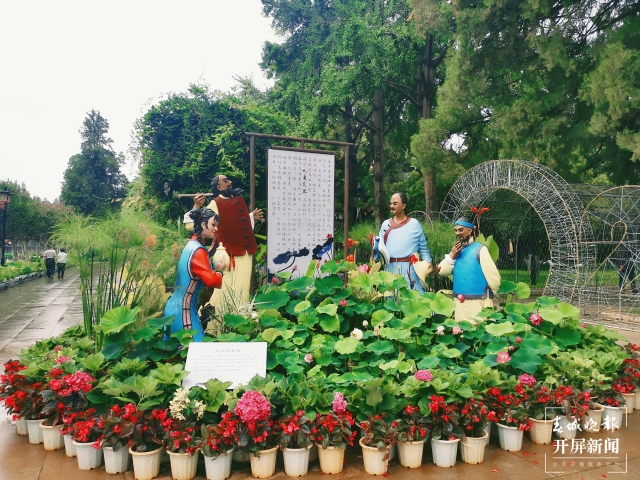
(60, 59)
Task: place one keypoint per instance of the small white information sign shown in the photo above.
(226, 361)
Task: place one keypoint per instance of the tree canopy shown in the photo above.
(93, 183)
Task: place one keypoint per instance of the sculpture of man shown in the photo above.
(475, 275)
(403, 236)
(235, 233)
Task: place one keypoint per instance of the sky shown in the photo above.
(61, 59)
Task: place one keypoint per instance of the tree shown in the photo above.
(93, 183)
(188, 138)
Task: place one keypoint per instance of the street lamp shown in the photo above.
(5, 198)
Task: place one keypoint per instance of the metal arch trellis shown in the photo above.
(610, 292)
(552, 198)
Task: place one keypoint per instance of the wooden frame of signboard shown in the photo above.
(301, 148)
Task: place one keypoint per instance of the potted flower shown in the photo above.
(257, 433)
(218, 442)
(513, 421)
(412, 431)
(542, 411)
(182, 439)
(146, 443)
(29, 403)
(119, 425)
(632, 369)
(11, 382)
(332, 432)
(295, 441)
(473, 420)
(66, 431)
(625, 386)
(443, 421)
(574, 405)
(86, 433)
(182, 435)
(63, 394)
(378, 435)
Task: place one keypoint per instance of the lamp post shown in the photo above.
(5, 198)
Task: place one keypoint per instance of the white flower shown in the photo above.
(254, 316)
(440, 330)
(357, 334)
(376, 331)
(365, 323)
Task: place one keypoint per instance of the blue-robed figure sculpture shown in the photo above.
(194, 269)
(403, 237)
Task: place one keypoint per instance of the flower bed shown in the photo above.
(404, 367)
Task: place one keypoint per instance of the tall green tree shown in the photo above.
(187, 138)
(93, 183)
(554, 82)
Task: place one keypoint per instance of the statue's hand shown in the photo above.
(258, 214)
(198, 200)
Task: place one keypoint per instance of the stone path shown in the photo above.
(41, 308)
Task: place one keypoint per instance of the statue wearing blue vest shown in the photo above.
(475, 275)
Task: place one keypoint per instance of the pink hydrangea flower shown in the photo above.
(62, 359)
(253, 406)
(536, 319)
(339, 404)
(308, 358)
(526, 379)
(503, 357)
(423, 375)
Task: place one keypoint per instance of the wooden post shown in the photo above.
(346, 201)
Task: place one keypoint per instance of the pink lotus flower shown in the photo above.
(461, 298)
(339, 404)
(526, 379)
(583, 325)
(503, 357)
(364, 268)
(457, 330)
(423, 375)
(518, 340)
(511, 347)
(343, 303)
(536, 319)
(308, 358)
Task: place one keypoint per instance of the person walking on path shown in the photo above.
(475, 275)
(62, 262)
(194, 269)
(49, 256)
(403, 236)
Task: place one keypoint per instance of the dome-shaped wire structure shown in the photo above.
(588, 235)
(610, 291)
(553, 200)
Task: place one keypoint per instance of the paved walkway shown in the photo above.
(41, 308)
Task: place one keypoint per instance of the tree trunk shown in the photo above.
(427, 89)
(378, 160)
(353, 182)
(430, 191)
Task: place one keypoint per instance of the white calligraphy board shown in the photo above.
(226, 361)
(300, 206)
